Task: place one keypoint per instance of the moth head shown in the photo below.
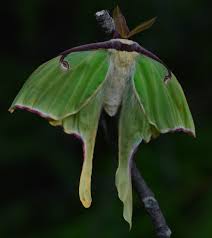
(121, 28)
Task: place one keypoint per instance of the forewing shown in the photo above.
(164, 104)
(56, 92)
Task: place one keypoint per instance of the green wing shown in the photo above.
(56, 93)
(133, 128)
(164, 103)
(150, 107)
(84, 124)
(71, 98)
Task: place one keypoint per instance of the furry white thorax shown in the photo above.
(121, 69)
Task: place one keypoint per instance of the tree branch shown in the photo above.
(146, 196)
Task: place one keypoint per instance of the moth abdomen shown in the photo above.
(120, 71)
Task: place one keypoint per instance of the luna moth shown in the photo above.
(117, 76)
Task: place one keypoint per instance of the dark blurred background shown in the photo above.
(40, 165)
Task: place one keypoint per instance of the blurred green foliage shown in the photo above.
(40, 165)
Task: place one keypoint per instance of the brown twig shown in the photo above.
(146, 196)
